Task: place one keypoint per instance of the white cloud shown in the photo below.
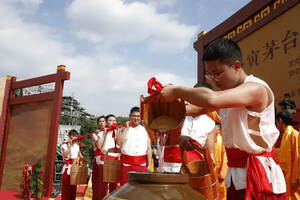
(161, 4)
(23, 6)
(116, 22)
(101, 80)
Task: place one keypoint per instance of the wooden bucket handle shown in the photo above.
(205, 152)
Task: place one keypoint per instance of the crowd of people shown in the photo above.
(236, 124)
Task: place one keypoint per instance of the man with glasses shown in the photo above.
(135, 146)
(248, 121)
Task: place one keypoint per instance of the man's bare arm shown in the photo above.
(210, 143)
(245, 95)
(194, 111)
(121, 137)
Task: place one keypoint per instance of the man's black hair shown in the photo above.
(203, 84)
(134, 109)
(102, 116)
(285, 117)
(110, 115)
(225, 50)
(72, 132)
(287, 95)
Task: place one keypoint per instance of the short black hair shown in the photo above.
(203, 84)
(225, 50)
(102, 116)
(285, 117)
(134, 109)
(110, 115)
(72, 132)
(286, 95)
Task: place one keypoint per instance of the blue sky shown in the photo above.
(111, 47)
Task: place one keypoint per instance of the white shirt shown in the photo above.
(197, 128)
(74, 150)
(109, 143)
(236, 135)
(136, 142)
(100, 135)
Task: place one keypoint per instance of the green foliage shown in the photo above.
(35, 179)
(87, 126)
(58, 155)
(35, 182)
(122, 120)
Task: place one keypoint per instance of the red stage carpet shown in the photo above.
(12, 195)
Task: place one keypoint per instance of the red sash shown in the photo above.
(257, 179)
(172, 154)
(98, 152)
(133, 160)
(69, 161)
(108, 157)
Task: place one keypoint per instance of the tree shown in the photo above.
(87, 126)
(122, 120)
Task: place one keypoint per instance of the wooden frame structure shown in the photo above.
(11, 100)
(250, 18)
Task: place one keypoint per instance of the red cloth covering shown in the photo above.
(133, 160)
(125, 169)
(258, 183)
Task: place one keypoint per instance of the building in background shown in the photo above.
(71, 114)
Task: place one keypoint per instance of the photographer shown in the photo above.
(288, 104)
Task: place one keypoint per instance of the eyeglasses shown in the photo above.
(215, 77)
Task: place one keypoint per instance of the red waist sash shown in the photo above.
(257, 179)
(172, 154)
(108, 157)
(98, 152)
(133, 160)
(69, 161)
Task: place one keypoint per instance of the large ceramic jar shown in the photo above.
(155, 186)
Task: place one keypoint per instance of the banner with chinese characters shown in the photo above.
(272, 53)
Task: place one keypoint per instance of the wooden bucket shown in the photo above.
(111, 170)
(151, 111)
(79, 173)
(202, 175)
